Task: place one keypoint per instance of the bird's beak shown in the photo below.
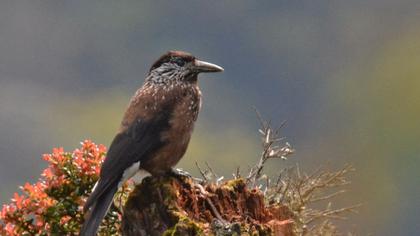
(202, 66)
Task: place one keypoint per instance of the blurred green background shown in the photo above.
(344, 74)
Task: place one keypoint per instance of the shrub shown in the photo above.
(53, 205)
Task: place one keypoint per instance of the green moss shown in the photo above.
(145, 193)
(234, 184)
(185, 226)
(240, 229)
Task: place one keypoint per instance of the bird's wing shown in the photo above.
(128, 147)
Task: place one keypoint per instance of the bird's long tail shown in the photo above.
(97, 212)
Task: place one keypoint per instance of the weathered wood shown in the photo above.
(180, 206)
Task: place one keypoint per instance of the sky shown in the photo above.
(342, 74)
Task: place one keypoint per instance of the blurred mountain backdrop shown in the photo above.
(343, 74)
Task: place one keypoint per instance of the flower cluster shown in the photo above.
(53, 205)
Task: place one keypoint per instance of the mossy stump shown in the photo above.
(180, 206)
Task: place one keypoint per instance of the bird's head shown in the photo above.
(179, 66)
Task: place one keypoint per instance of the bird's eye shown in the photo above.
(179, 61)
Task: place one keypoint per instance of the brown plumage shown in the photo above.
(155, 130)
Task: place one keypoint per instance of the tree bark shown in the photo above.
(181, 206)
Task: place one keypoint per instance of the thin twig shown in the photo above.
(201, 172)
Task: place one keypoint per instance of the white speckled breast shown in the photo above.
(186, 102)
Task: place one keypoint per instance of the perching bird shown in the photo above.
(155, 130)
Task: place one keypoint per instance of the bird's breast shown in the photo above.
(185, 109)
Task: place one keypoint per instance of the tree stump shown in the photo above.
(181, 206)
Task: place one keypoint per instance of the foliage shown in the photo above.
(301, 193)
(53, 205)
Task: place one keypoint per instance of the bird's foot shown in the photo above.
(179, 173)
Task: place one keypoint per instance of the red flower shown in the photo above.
(56, 197)
(65, 219)
(18, 200)
(10, 229)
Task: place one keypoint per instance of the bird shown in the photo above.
(154, 132)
